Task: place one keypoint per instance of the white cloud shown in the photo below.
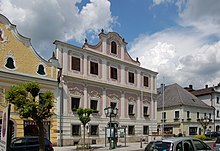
(187, 55)
(45, 21)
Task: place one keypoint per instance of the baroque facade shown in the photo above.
(19, 63)
(99, 76)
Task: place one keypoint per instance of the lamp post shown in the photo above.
(111, 112)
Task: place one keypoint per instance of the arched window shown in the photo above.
(41, 70)
(10, 63)
(113, 47)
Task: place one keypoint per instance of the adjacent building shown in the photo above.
(210, 96)
(180, 112)
(19, 63)
(99, 76)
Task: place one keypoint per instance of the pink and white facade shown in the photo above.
(101, 76)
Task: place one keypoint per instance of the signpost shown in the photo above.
(4, 129)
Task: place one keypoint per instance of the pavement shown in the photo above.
(101, 147)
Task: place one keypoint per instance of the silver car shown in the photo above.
(178, 144)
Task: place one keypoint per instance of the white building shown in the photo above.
(99, 76)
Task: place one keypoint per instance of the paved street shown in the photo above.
(128, 147)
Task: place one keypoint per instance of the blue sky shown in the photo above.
(177, 38)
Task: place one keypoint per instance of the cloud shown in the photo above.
(187, 54)
(46, 21)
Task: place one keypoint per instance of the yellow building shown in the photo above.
(20, 63)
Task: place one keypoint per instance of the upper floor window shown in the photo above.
(130, 77)
(41, 70)
(75, 102)
(131, 109)
(10, 63)
(188, 114)
(94, 68)
(210, 115)
(113, 105)
(75, 63)
(94, 105)
(217, 100)
(113, 47)
(145, 111)
(204, 115)
(217, 113)
(177, 114)
(197, 115)
(146, 83)
(114, 74)
(164, 115)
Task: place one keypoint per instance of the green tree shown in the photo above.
(23, 96)
(84, 117)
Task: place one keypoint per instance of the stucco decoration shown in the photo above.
(75, 91)
(94, 94)
(131, 100)
(113, 97)
(3, 38)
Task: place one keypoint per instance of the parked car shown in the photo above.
(29, 144)
(212, 134)
(216, 145)
(178, 144)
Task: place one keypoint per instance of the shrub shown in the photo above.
(202, 137)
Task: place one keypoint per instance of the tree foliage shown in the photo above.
(25, 99)
(84, 117)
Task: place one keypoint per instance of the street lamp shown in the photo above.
(111, 112)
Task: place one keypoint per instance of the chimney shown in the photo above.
(191, 86)
(206, 86)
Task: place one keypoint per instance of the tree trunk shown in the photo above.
(84, 135)
(41, 135)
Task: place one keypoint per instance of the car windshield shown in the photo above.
(158, 146)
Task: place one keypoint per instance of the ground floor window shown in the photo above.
(30, 128)
(168, 130)
(145, 130)
(76, 130)
(192, 130)
(131, 130)
(94, 130)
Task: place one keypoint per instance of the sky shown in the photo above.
(179, 39)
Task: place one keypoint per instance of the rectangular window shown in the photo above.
(94, 68)
(217, 113)
(114, 74)
(217, 100)
(130, 77)
(76, 130)
(130, 109)
(145, 130)
(113, 105)
(197, 115)
(93, 105)
(131, 130)
(75, 63)
(75, 103)
(204, 114)
(177, 115)
(192, 130)
(188, 114)
(145, 111)
(94, 130)
(146, 81)
(164, 115)
(210, 115)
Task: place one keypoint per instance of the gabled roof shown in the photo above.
(175, 95)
